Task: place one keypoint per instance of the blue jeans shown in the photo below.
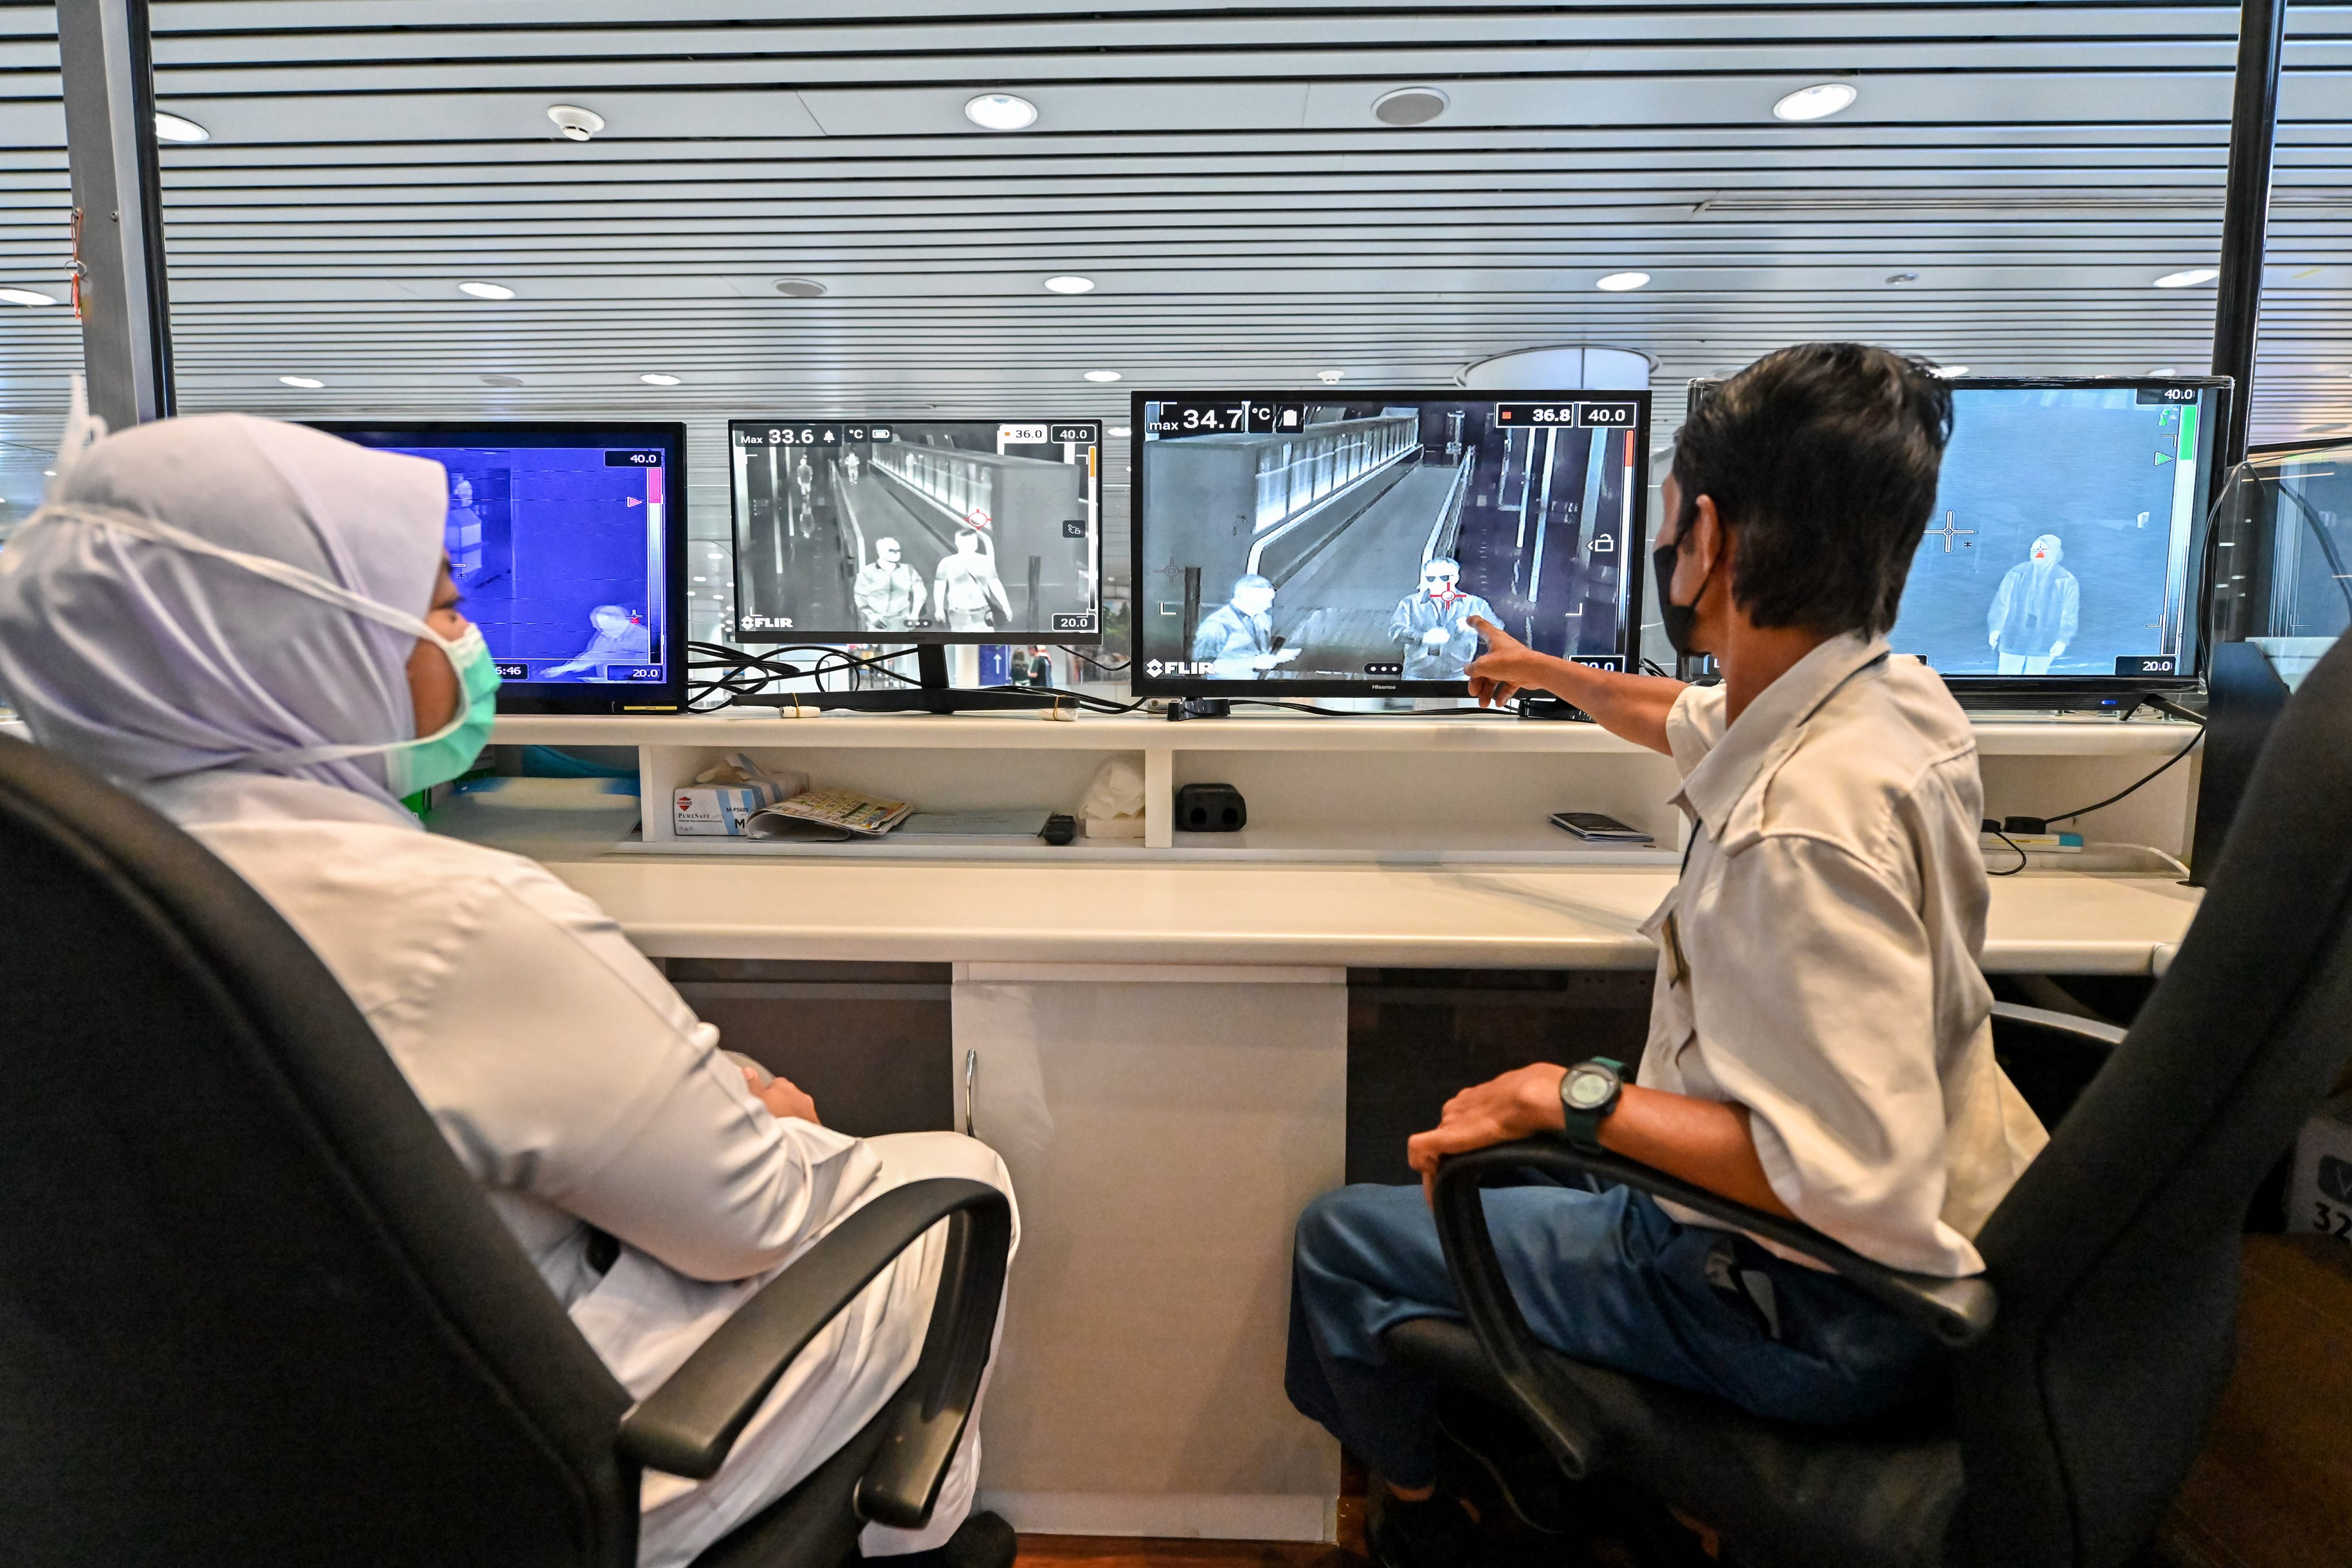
(1605, 1277)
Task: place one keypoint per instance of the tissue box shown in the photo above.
(2320, 1196)
(1128, 827)
(717, 811)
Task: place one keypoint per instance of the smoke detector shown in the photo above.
(577, 125)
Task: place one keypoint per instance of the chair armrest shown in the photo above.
(1958, 1312)
(2100, 1037)
(686, 1426)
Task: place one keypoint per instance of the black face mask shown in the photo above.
(1680, 621)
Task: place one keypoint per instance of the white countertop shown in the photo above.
(1410, 917)
(1275, 731)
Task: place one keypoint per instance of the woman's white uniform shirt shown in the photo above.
(569, 1076)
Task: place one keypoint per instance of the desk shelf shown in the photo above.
(1374, 789)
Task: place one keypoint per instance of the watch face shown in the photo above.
(1588, 1089)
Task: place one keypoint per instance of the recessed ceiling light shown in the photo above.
(309, 383)
(1818, 102)
(799, 288)
(1001, 111)
(172, 128)
(1120, 430)
(657, 378)
(1622, 283)
(576, 124)
(502, 381)
(1903, 278)
(1410, 106)
(1070, 285)
(487, 291)
(2188, 280)
(1949, 371)
(28, 297)
(2164, 370)
(1330, 377)
(1102, 375)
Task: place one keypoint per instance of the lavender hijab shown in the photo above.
(150, 663)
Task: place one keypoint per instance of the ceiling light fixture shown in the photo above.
(1410, 106)
(1120, 430)
(172, 128)
(1949, 372)
(1622, 283)
(487, 291)
(575, 123)
(1330, 377)
(1070, 285)
(308, 383)
(1818, 102)
(1001, 111)
(657, 378)
(28, 297)
(1102, 375)
(799, 288)
(502, 381)
(2164, 370)
(1903, 278)
(2188, 280)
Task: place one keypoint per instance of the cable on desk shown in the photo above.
(2023, 860)
(2086, 810)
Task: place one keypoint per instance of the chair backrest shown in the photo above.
(252, 1309)
(2117, 1253)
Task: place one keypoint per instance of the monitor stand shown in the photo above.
(929, 694)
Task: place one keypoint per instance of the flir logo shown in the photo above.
(767, 623)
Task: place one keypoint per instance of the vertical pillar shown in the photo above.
(2245, 217)
(109, 99)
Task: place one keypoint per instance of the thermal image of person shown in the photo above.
(462, 534)
(849, 467)
(1431, 622)
(966, 584)
(889, 593)
(621, 638)
(1236, 638)
(2035, 611)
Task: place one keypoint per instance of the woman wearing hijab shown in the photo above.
(252, 626)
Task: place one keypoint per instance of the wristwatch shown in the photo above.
(1588, 1093)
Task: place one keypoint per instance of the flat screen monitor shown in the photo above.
(917, 530)
(568, 543)
(1322, 543)
(2065, 550)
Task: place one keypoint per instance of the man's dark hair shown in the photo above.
(1822, 459)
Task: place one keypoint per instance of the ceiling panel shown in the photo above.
(2010, 181)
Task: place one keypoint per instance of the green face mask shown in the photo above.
(449, 751)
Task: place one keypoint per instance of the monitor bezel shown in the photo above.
(565, 697)
(835, 637)
(1984, 690)
(1144, 684)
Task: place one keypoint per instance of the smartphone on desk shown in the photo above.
(1593, 826)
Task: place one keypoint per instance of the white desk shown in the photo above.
(1403, 917)
(1159, 1032)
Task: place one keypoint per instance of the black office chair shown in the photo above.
(253, 1310)
(2099, 1337)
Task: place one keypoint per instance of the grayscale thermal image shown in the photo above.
(849, 531)
(1339, 541)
